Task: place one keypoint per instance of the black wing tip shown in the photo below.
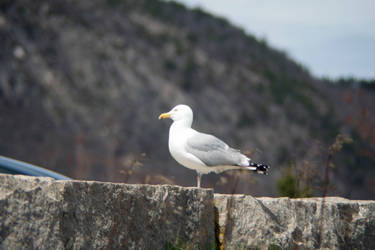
(261, 168)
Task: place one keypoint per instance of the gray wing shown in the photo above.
(212, 151)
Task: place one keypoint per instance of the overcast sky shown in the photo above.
(330, 37)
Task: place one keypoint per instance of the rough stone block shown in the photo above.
(41, 213)
(274, 223)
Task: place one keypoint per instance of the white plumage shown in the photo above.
(201, 152)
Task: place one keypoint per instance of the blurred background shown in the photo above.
(82, 84)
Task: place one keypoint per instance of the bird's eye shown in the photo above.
(175, 110)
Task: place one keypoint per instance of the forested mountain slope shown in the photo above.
(83, 82)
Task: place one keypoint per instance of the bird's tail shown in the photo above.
(258, 168)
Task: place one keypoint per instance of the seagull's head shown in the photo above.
(179, 113)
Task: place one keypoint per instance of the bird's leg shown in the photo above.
(199, 176)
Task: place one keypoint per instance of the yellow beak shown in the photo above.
(164, 115)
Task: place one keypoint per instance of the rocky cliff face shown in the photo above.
(46, 214)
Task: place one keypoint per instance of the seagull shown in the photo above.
(202, 152)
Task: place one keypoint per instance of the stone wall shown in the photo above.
(246, 222)
(40, 213)
(47, 214)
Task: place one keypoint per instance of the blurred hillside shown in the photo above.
(83, 82)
